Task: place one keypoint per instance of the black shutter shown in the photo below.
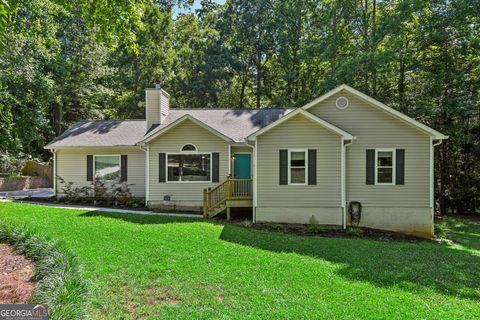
(162, 163)
(283, 166)
(89, 167)
(370, 166)
(123, 166)
(400, 166)
(312, 166)
(215, 167)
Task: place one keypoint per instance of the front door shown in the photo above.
(242, 166)
(242, 169)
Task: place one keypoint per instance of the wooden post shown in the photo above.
(229, 188)
(228, 212)
(205, 207)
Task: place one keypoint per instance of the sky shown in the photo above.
(195, 6)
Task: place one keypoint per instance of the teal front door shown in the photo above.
(242, 166)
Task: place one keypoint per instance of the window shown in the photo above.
(297, 167)
(107, 167)
(385, 164)
(189, 147)
(189, 168)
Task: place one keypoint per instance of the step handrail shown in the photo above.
(229, 189)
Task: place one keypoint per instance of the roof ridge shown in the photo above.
(266, 108)
(100, 120)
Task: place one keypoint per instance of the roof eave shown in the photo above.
(179, 121)
(397, 114)
(325, 124)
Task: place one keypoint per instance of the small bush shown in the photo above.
(118, 193)
(357, 232)
(247, 223)
(57, 271)
(277, 226)
(313, 225)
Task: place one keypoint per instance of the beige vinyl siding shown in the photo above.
(377, 129)
(164, 105)
(72, 166)
(299, 201)
(152, 101)
(184, 193)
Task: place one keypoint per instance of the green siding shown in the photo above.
(72, 166)
(184, 194)
(272, 198)
(377, 129)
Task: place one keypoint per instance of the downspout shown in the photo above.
(432, 174)
(147, 174)
(54, 172)
(254, 209)
(344, 181)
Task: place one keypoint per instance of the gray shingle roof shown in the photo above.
(236, 124)
(105, 133)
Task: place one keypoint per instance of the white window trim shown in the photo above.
(393, 151)
(289, 167)
(187, 153)
(107, 155)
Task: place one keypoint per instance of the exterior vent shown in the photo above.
(341, 103)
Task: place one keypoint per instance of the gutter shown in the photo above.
(147, 172)
(254, 207)
(344, 181)
(54, 171)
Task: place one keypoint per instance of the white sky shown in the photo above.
(195, 6)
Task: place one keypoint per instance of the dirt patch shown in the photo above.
(16, 276)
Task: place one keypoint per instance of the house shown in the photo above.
(286, 164)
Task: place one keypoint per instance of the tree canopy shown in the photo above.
(63, 61)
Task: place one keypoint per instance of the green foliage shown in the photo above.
(100, 192)
(357, 232)
(61, 285)
(247, 223)
(148, 266)
(313, 224)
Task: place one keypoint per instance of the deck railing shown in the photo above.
(230, 189)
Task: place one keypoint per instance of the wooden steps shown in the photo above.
(232, 193)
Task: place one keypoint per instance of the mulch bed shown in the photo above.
(16, 277)
(328, 231)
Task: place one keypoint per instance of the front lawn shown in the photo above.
(166, 267)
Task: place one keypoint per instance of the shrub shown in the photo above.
(99, 193)
(247, 223)
(313, 225)
(357, 232)
(57, 271)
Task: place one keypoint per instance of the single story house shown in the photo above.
(286, 164)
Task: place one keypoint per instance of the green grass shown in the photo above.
(168, 267)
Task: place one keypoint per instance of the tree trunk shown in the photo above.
(259, 77)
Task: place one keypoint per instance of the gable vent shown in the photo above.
(341, 103)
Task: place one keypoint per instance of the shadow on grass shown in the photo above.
(410, 266)
(140, 218)
(462, 231)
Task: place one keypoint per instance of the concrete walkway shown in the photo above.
(37, 193)
(103, 209)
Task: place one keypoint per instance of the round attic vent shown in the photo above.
(341, 103)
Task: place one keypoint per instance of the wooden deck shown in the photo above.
(232, 193)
